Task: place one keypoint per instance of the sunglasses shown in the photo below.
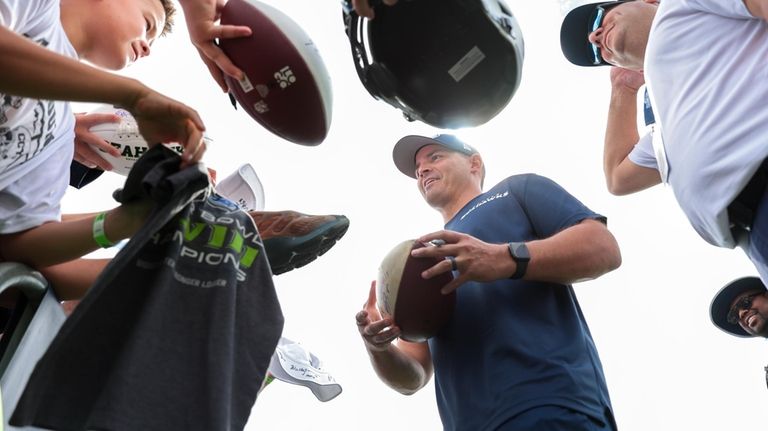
(600, 11)
(744, 303)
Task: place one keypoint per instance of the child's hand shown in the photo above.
(85, 141)
(162, 120)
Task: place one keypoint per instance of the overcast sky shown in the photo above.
(667, 367)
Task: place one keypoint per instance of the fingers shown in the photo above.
(193, 115)
(442, 236)
(371, 302)
(230, 31)
(216, 55)
(453, 285)
(194, 147)
(87, 121)
(215, 72)
(85, 141)
(382, 339)
(377, 335)
(90, 158)
(446, 265)
(361, 318)
(369, 328)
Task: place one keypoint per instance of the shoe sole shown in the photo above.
(286, 254)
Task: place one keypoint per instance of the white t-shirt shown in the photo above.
(36, 136)
(706, 65)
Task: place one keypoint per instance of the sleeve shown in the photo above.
(6, 14)
(549, 207)
(20, 16)
(642, 154)
(728, 8)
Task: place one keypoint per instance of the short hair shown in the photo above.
(482, 170)
(482, 173)
(170, 14)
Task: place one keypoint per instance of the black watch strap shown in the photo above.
(519, 252)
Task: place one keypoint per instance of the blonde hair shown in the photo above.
(170, 14)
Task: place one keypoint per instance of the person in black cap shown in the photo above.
(517, 352)
(741, 308)
(703, 64)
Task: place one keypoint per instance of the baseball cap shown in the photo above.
(243, 188)
(577, 25)
(721, 304)
(404, 153)
(293, 363)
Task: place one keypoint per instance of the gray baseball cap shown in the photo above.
(404, 153)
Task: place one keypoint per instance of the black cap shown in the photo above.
(574, 32)
(721, 304)
(404, 153)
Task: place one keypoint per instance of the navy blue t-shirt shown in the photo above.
(512, 344)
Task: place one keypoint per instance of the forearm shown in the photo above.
(398, 370)
(621, 133)
(57, 242)
(30, 70)
(758, 8)
(582, 252)
(71, 280)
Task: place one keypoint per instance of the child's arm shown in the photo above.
(32, 71)
(57, 242)
(71, 280)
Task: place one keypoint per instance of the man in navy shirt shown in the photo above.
(517, 353)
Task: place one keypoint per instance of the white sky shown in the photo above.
(667, 367)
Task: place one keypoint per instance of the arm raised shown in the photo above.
(622, 176)
(404, 366)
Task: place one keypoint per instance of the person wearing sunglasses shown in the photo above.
(740, 308)
(703, 64)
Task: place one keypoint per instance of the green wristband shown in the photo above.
(98, 231)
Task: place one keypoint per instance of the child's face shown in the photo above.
(126, 29)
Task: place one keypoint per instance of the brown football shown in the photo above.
(414, 303)
(286, 87)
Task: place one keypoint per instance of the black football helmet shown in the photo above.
(448, 63)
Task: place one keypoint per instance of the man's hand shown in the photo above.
(85, 140)
(201, 17)
(164, 120)
(626, 79)
(364, 9)
(475, 260)
(377, 333)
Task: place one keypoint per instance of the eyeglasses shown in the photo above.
(600, 11)
(745, 303)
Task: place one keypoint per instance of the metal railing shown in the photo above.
(31, 286)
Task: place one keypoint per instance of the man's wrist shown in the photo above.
(521, 256)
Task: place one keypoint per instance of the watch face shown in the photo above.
(520, 251)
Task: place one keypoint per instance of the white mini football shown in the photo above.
(286, 88)
(126, 138)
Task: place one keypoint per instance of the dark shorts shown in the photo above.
(757, 244)
(557, 418)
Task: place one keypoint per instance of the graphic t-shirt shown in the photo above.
(32, 131)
